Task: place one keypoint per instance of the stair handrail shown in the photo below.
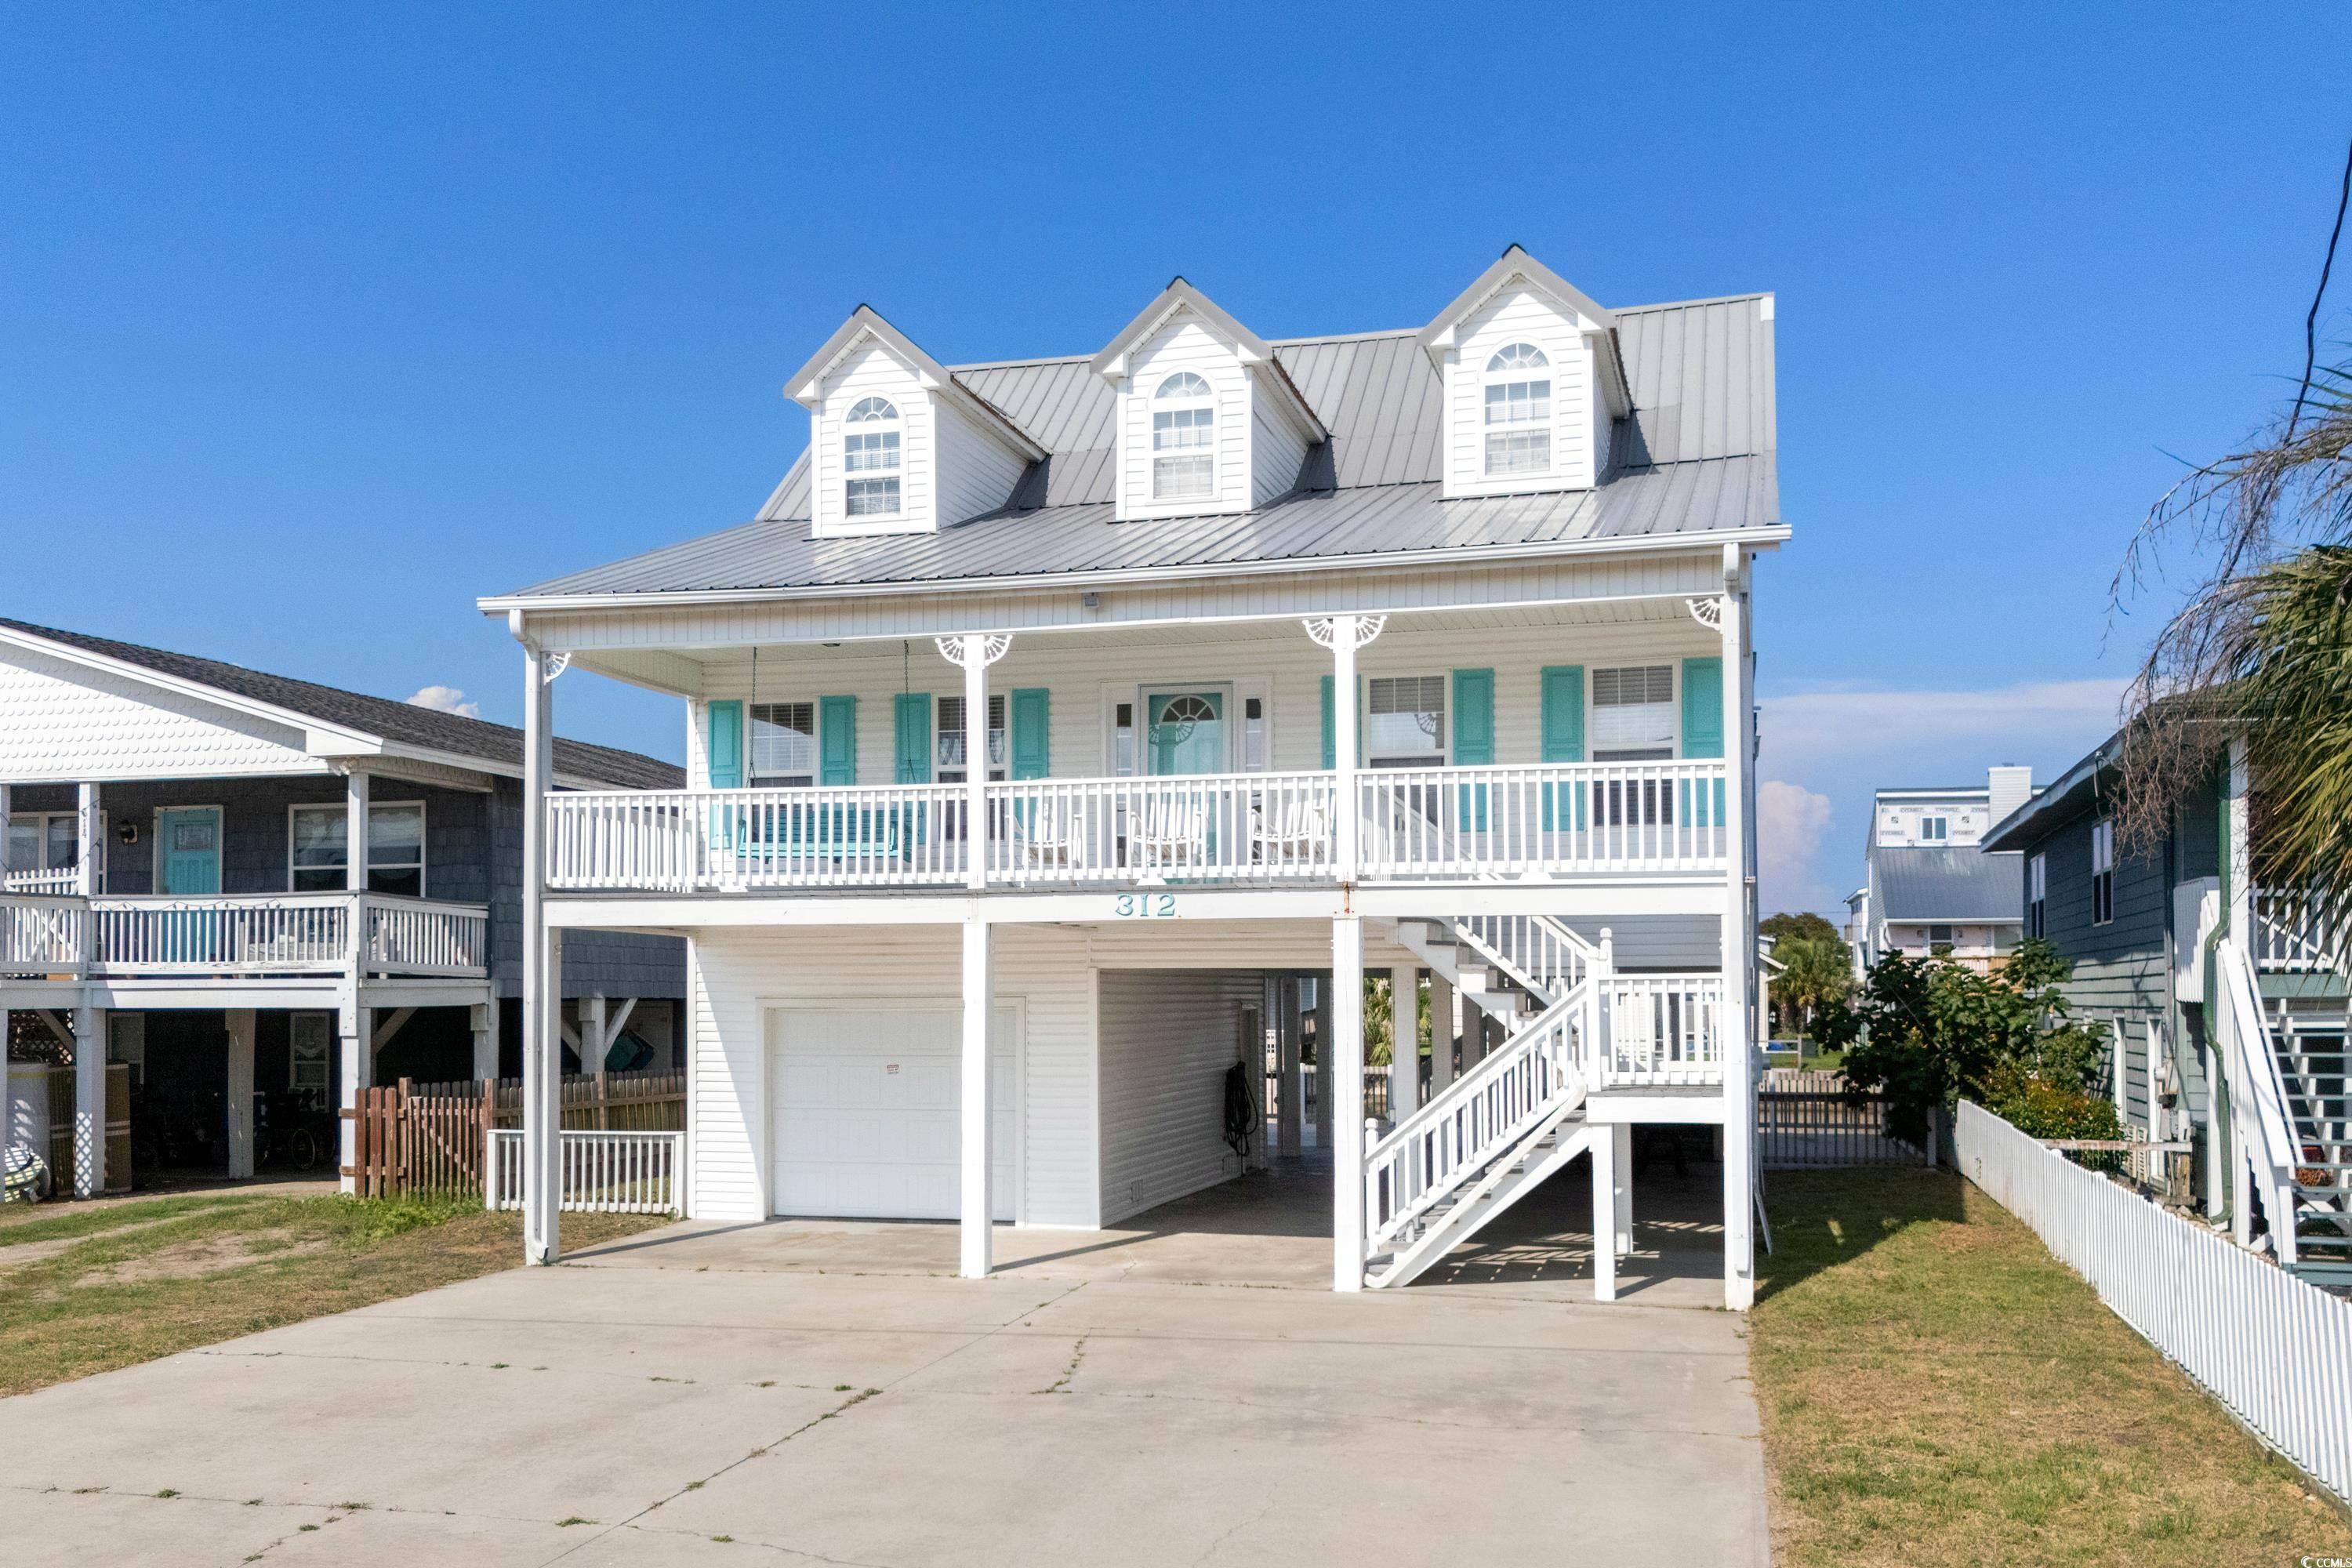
(1480, 1115)
(1565, 952)
(2258, 1100)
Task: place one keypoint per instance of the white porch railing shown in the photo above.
(65, 881)
(600, 1172)
(2290, 936)
(1661, 1029)
(1568, 819)
(274, 933)
(1482, 1116)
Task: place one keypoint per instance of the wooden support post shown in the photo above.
(355, 1065)
(1404, 1040)
(1324, 1097)
(485, 1020)
(1622, 1185)
(1442, 1028)
(977, 1209)
(240, 1092)
(1343, 1053)
(1290, 1070)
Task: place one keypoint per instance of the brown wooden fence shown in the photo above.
(429, 1137)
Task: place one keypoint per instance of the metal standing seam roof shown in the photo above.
(405, 723)
(1948, 885)
(1698, 455)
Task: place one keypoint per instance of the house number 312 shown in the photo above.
(1145, 906)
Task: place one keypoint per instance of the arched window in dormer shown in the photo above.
(870, 459)
(1519, 411)
(1183, 439)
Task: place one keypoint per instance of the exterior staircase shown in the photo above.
(2310, 1052)
(1440, 1175)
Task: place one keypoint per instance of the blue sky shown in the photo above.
(321, 322)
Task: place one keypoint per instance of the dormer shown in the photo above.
(1533, 382)
(1207, 421)
(895, 444)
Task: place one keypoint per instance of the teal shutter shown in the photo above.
(1703, 723)
(724, 757)
(1473, 739)
(1563, 740)
(836, 728)
(1031, 732)
(910, 714)
(1330, 729)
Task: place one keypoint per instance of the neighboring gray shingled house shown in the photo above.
(179, 886)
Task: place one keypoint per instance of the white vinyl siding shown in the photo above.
(1277, 452)
(874, 372)
(976, 473)
(1167, 1037)
(1086, 680)
(1518, 315)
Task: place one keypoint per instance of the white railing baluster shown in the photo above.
(600, 1173)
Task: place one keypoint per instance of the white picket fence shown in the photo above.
(601, 1173)
(2275, 1351)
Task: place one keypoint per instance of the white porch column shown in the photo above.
(355, 834)
(1343, 1053)
(1343, 635)
(355, 1065)
(1404, 1040)
(485, 1040)
(1605, 1177)
(973, 1145)
(1733, 1029)
(90, 861)
(592, 1043)
(1442, 1032)
(1290, 1070)
(1622, 1157)
(972, 653)
(542, 972)
(240, 1092)
(90, 1102)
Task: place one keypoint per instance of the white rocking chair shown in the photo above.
(1049, 833)
(1170, 831)
(1297, 831)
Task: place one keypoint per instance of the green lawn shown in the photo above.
(1938, 1390)
(87, 1288)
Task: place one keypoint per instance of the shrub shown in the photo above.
(2041, 1108)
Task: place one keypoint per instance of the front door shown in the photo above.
(1187, 732)
(187, 865)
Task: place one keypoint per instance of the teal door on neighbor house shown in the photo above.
(188, 850)
(187, 865)
(1187, 732)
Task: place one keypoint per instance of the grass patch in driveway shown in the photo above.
(86, 1290)
(1938, 1390)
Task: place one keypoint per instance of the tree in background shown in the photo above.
(2262, 647)
(1927, 1032)
(1816, 966)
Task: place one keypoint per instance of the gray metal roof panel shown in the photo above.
(1697, 456)
(428, 729)
(1948, 884)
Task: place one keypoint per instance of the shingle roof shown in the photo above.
(1699, 453)
(1947, 884)
(401, 722)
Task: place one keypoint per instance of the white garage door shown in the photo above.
(864, 1112)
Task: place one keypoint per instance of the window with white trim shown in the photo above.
(319, 850)
(783, 746)
(1633, 716)
(1519, 412)
(2103, 872)
(1405, 721)
(1183, 439)
(869, 459)
(948, 743)
(2037, 895)
(1935, 829)
(43, 841)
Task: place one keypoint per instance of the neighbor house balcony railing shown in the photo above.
(242, 934)
(2292, 935)
(1265, 829)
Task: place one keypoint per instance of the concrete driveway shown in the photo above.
(1176, 1393)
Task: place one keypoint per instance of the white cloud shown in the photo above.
(2002, 721)
(1790, 823)
(446, 700)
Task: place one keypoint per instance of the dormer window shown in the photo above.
(1184, 437)
(1519, 411)
(869, 459)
